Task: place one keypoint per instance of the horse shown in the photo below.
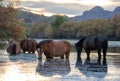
(92, 43)
(28, 45)
(23, 45)
(54, 49)
(14, 47)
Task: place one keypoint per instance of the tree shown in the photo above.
(8, 25)
(9, 3)
(56, 24)
(39, 30)
(116, 25)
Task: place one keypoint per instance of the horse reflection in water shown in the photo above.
(91, 69)
(53, 67)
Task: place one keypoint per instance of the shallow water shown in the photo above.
(26, 67)
(113, 46)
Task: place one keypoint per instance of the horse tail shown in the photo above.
(14, 49)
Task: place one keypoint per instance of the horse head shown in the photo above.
(42, 47)
(79, 45)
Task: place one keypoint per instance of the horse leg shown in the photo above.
(40, 54)
(88, 54)
(29, 50)
(78, 56)
(104, 56)
(67, 55)
(23, 51)
(99, 56)
(62, 57)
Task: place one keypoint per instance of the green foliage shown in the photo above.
(58, 21)
(40, 30)
(62, 28)
(116, 23)
(56, 24)
(9, 28)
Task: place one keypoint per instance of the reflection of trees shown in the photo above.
(114, 49)
(53, 67)
(116, 60)
(22, 57)
(91, 69)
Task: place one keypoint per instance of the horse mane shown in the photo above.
(81, 40)
(43, 42)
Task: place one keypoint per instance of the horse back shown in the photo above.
(102, 42)
(95, 42)
(61, 47)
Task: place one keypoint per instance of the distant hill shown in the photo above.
(31, 18)
(94, 13)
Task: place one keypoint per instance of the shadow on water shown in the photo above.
(116, 60)
(22, 57)
(53, 67)
(114, 49)
(91, 69)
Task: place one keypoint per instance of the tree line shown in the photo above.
(62, 28)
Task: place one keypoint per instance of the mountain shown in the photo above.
(32, 19)
(96, 13)
(116, 11)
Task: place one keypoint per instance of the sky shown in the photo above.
(66, 7)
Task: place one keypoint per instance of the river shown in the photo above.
(26, 67)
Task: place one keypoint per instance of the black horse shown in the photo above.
(92, 43)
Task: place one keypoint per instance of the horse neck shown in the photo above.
(81, 41)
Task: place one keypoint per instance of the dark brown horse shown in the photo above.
(14, 47)
(93, 43)
(54, 49)
(28, 45)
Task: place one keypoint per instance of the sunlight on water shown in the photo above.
(13, 74)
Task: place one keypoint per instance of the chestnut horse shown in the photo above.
(54, 49)
(93, 43)
(28, 45)
(14, 47)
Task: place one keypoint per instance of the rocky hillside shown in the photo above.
(94, 13)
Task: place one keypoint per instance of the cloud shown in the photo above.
(58, 8)
(115, 0)
(73, 7)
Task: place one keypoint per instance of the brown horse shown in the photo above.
(28, 45)
(93, 43)
(54, 49)
(14, 47)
